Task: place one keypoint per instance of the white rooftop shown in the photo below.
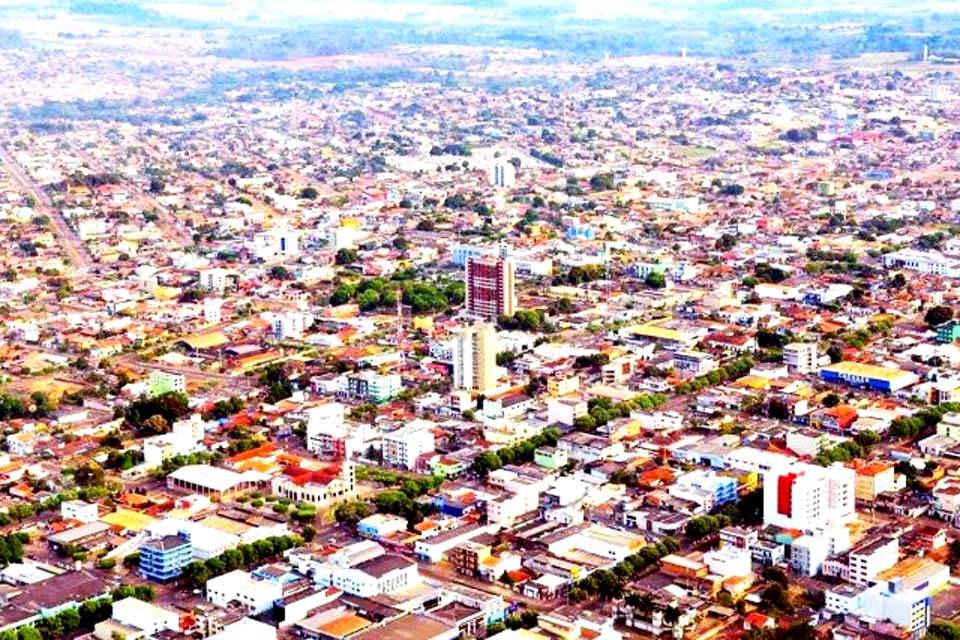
(215, 478)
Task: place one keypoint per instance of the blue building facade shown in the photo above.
(163, 558)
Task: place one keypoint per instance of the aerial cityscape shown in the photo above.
(456, 319)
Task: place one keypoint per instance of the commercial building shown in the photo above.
(475, 358)
(723, 489)
(491, 289)
(327, 433)
(596, 539)
(901, 596)
(291, 325)
(566, 410)
(163, 558)
(948, 332)
(696, 363)
(410, 627)
(809, 497)
(874, 478)
(868, 376)
(929, 262)
(380, 525)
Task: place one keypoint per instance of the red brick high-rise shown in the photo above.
(490, 287)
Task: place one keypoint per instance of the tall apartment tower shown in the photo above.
(475, 358)
(491, 290)
(503, 175)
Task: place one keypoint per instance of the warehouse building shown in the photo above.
(868, 376)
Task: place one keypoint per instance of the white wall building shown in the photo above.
(256, 596)
(403, 446)
(214, 279)
(809, 497)
(502, 175)
(871, 557)
(148, 618)
(79, 510)
(801, 357)
(475, 358)
(291, 324)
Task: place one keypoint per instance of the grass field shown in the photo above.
(692, 152)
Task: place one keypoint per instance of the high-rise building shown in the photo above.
(402, 447)
(163, 558)
(212, 310)
(503, 174)
(490, 287)
(475, 358)
(801, 357)
(809, 497)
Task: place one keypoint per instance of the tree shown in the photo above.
(351, 512)
(155, 425)
(28, 633)
(309, 193)
(775, 599)
(937, 315)
(587, 423)
(368, 300)
(655, 280)
(279, 272)
(89, 474)
(943, 630)
(346, 256)
(602, 182)
(835, 353)
(831, 400)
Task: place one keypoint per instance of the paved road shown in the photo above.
(72, 246)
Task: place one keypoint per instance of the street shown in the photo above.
(72, 246)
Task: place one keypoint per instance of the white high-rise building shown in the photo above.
(475, 358)
(809, 497)
(214, 279)
(403, 446)
(212, 308)
(291, 324)
(503, 174)
(281, 242)
(801, 357)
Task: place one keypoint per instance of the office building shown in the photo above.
(163, 558)
(490, 287)
(475, 358)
